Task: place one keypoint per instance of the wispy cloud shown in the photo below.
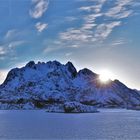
(93, 8)
(120, 41)
(88, 26)
(76, 34)
(49, 49)
(98, 22)
(41, 26)
(91, 18)
(120, 9)
(9, 44)
(103, 30)
(17, 43)
(2, 51)
(10, 33)
(39, 8)
(8, 50)
(52, 48)
(84, 33)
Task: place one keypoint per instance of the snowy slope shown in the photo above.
(58, 87)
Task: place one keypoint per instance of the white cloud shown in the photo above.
(88, 26)
(41, 26)
(90, 18)
(40, 7)
(124, 14)
(98, 22)
(103, 30)
(93, 8)
(8, 50)
(51, 49)
(58, 45)
(85, 34)
(12, 40)
(14, 34)
(10, 33)
(14, 44)
(120, 9)
(76, 35)
(120, 41)
(2, 51)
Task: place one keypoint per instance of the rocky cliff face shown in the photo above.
(59, 88)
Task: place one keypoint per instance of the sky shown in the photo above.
(97, 34)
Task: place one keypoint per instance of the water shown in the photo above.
(108, 124)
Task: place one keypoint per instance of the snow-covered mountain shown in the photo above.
(59, 87)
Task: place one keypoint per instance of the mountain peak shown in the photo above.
(71, 69)
(55, 62)
(11, 75)
(29, 64)
(86, 71)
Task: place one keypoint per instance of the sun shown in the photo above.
(106, 75)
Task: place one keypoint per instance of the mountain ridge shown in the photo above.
(60, 87)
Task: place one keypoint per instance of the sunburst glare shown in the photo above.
(106, 75)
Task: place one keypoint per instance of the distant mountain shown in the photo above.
(60, 88)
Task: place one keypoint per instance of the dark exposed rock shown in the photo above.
(31, 64)
(71, 69)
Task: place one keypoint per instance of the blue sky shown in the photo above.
(98, 34)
